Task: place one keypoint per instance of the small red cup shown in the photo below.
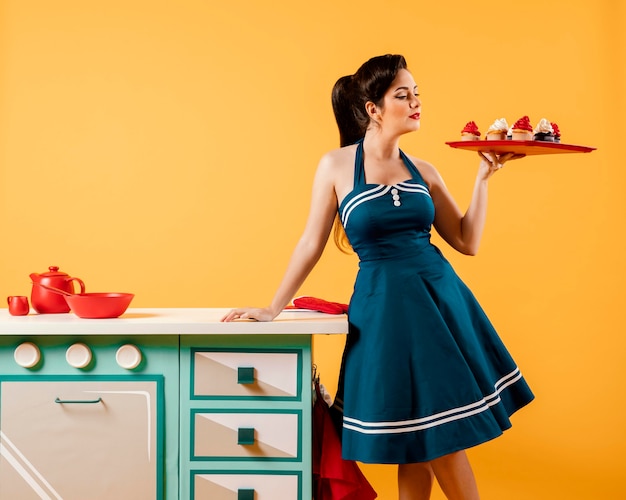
(18, 305)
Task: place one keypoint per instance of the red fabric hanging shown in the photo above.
(333, 477)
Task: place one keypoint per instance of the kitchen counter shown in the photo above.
(162, 403)
(172, 321)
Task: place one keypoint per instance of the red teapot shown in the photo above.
(46, 301)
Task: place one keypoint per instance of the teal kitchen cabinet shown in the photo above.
(157, 404)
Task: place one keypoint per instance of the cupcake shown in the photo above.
(556, 132)
(522, 130)
(497, 131)
(470, 132)
(544, 131)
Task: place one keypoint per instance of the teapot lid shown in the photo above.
(53, 271)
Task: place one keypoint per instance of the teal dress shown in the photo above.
(424, 372)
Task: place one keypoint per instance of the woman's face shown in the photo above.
(401, 107)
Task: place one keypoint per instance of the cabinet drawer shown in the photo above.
(239, 374)
(240, 435)
(245, 486)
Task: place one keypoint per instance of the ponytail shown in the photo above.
(349, 133)
(351, 128)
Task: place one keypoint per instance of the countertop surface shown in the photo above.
(172, 321)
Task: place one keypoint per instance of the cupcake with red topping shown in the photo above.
(497, 130)
(556, 132)
(544, 131)
(470, 132)
(522, 130)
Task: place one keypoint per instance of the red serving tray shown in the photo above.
(520, 147)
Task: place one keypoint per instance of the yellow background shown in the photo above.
(167, 148)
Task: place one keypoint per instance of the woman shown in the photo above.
(424, 374)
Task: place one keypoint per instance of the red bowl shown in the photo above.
(99, 305)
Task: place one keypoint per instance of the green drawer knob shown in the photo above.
(245, 435)
(245, 375)
(245, 494)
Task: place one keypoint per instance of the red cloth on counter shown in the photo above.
(333, 477)
(321, 305)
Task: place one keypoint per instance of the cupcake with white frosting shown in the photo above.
(497, 131)
(544, 131)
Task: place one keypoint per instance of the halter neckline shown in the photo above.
(359, 167)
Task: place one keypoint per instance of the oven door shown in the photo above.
(81, 438)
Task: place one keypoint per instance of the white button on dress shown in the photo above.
(396, 197)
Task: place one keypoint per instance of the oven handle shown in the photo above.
(78, 401)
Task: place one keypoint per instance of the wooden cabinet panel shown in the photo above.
(66, 438)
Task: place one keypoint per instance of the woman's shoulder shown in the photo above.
(340, 155)
(420, 163)
(338, 158)
(427, 170)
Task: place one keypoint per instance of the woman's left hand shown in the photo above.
(491, 162)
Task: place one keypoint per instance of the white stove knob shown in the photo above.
(27, 354)
(78, 355)
(128, 356)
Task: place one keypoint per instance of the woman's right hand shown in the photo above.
(254, 313)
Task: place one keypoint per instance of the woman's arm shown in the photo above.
(463, 232)
(308, 250)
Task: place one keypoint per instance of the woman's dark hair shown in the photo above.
(351, 93)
